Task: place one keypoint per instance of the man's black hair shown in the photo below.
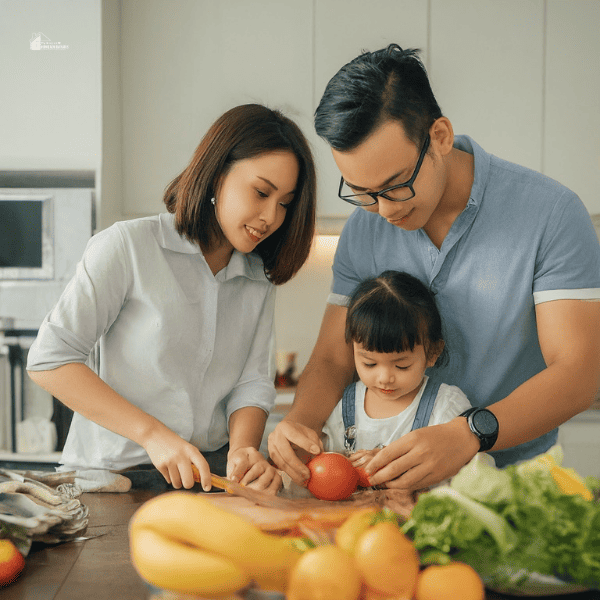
(388, 84)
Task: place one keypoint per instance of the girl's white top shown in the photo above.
(145, 312)
(449, 403)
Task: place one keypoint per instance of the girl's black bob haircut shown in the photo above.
(394, 312)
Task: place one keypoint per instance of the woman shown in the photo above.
(160, 343)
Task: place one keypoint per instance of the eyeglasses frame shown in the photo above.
(374, 195)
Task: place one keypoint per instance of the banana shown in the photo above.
(174, 566)
(187, 518)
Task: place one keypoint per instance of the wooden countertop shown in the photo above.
(99, 568)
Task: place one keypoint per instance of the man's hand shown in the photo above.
(424, 457)
(288, 443)
(249, 467)
(321, 385)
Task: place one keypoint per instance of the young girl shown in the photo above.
(160, 342)
(396, 331)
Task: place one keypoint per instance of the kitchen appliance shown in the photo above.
(26, 248)
(46, 220)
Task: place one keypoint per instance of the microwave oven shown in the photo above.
(26, 237)
(46, 221)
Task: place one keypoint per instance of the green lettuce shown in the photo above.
(503, 521)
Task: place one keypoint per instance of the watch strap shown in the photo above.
(486, 441)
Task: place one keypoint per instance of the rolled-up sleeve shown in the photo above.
(88, 306)
(255, 387)
(568, 260)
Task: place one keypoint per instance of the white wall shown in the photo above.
(50, 109)
(300, 303)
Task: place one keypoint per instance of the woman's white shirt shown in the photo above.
(145, 312)
(449, 403)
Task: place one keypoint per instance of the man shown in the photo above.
(510, 254)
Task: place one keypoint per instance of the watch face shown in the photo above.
(485, 422)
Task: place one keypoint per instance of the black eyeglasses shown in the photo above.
(401, 192)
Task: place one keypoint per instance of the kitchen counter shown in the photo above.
(100, 567)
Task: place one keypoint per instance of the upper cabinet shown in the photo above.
(571, 145)
(184, 63)
(487, 71)
(342, 30)
(520, 77)
(135, 84)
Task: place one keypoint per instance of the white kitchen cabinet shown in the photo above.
(520, 76)
(580, 441)
(343, 29)
(185, 63)
(572, 92)
(178, 75)
(487, 71)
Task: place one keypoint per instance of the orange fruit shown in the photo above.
(11, 562)
(369, 594)
(347, 534)
(387, 560)
(324, 573)
(454, 581)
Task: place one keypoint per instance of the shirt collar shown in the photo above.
(243, 265)
(240, 265)
(481, 167)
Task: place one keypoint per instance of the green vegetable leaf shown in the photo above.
(509, 523)
(444, 522)
(482, 481)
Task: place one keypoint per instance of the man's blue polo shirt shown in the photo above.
(522, 239)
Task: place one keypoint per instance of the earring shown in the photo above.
(212, 201)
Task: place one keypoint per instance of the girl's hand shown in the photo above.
(174, 457)
(362, 458)
(249, 467)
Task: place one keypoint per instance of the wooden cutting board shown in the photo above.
(327, 514)
(264, 517)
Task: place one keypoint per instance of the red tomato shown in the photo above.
(363, 478)
(11, 562)
(332, 476)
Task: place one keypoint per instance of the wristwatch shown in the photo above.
(484, 425)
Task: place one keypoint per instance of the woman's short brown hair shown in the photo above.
(245, 132)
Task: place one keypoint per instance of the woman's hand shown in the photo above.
(424, 457)
(174, 457)
(249, 467)
(290, 439)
